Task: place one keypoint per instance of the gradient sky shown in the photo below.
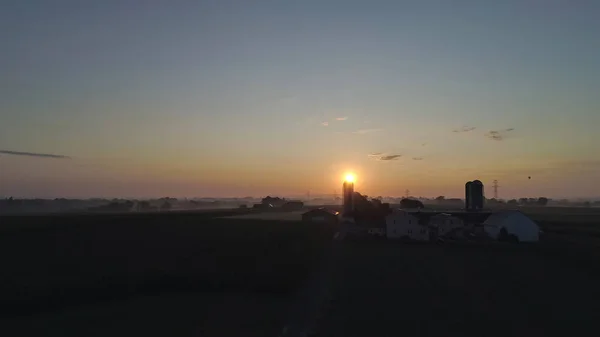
(236, 98)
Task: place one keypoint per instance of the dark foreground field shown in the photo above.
(191, 274)
(388, 289)
(61, 267)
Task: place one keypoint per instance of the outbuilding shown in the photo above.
(321, 215)
(445, 223)
(400, 224)
(511, 224)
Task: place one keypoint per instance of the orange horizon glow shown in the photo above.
(350, 178)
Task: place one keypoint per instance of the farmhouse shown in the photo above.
(401, 224)
(321, 215)
(445, 223)
(506, 224)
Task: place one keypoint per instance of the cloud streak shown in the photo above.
(464, 129)
(325, 123)
(417, 158)
(384, 157)
(341, 118)
(498, 135)
(365, 131)
(33, 154)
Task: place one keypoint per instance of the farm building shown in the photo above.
(402, 224)
(376, 230)
(444, 223)
(502, 224)
(321, 215)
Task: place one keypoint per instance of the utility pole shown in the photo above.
(495, 186)
(407, 193)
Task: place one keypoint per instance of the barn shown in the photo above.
(444, 223)
(321, 215)
(401, 224)
(511, 224)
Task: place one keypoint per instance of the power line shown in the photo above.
(495, 186)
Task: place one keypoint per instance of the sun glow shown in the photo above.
(350, 177)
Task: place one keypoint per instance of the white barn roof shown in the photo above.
(515, 223)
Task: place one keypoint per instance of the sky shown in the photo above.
(247, 98)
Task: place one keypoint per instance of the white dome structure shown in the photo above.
(515, 223)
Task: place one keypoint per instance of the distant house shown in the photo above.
(321, 215)
(445, 223)
(401, 224)
(511, 225)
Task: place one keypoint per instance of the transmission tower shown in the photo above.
(495, 186)
(407, 193)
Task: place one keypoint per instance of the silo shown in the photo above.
(348, 192)
(468, 195)
(477, 195)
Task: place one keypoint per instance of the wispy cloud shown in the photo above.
(325, 123)
(424, 144)
(32, 154)
(464, 129)
(417, 158)
(498, 135)
(365, 131)
(341, 118)
(384, 157)
(390, 157)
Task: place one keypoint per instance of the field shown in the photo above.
(56, 262)
(225, 273)
(387, 289)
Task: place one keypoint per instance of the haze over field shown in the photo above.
(237, 98)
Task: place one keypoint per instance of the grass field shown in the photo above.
(186, 273)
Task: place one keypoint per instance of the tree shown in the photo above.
(542, 201)
(411, 203)
(440, 198)
(512, 202)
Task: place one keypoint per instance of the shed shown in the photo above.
(513, 222)
(321, 215)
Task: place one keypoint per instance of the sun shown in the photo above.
(350, 178)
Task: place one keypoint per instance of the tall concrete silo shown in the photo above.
(468, 195)
(477, 195)
(348, 193)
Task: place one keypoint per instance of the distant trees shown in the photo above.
(541, 201)
(276, 201)
(165, 206)
(440, 198)
(411, 203)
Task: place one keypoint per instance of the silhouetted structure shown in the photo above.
(348, 192)
(321, 215)
(474, 195)
(468, 200)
